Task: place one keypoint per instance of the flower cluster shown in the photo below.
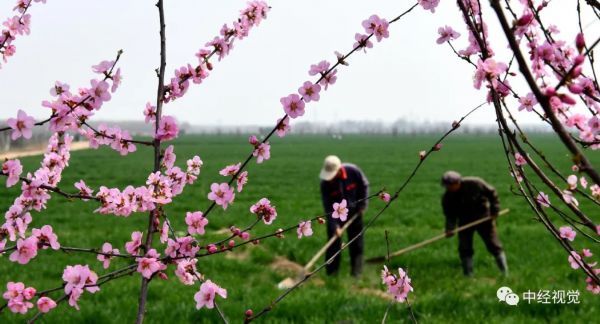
(161, 188)
(34, 196)
(70, 111)
(294, 104)
(79, 278)
(14, 26)
(114, 137)
(250, 17)
(398, 285)
(19, 297)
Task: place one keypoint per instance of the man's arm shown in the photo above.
(492, 196)
(363, 190)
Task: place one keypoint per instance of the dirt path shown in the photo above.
(75, 146)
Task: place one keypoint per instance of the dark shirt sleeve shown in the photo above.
(328, 204)
(449, 212)
(363, 190)
(490, 193)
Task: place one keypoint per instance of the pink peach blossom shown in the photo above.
(46, 237)
(150, 264)
(283, 127)
(221, 194)
(241, 180)
(26, 250)
(264, 210)
(230, 170)
(309, 91)
(293, 105)
(519, 159)
(206, 296)
(362, 41)
(385, 197)
(527, 102)
(262, 152)
(105, 258)
(196, 222)
(568, 233)
(99, 91)
(429, 4)
(150, 113)
(340, 210)
(446, 34)
(543, 199)
(21, 126)
(45, 304)
(135, 243)
(304, 229)
(376, 26)
(167, 129)
(13, 169)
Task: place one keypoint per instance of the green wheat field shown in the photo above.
(290, 180)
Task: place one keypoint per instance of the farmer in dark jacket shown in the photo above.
(344, 181)
(466, 200)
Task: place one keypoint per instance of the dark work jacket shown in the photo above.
(350, 184)
(474, 200)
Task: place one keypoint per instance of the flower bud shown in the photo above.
(579, 42)
(212, 248)
(575, 88)
(525, 19)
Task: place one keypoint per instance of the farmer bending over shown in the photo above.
(344, 181)
(466, 200)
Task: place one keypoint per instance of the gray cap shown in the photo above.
(450, 177)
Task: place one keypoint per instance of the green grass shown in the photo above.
(290, 181)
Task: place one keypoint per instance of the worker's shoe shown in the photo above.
(501, 262)
(467, 265)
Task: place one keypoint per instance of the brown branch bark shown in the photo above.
(157, 157)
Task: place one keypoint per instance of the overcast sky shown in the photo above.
(406, 76)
